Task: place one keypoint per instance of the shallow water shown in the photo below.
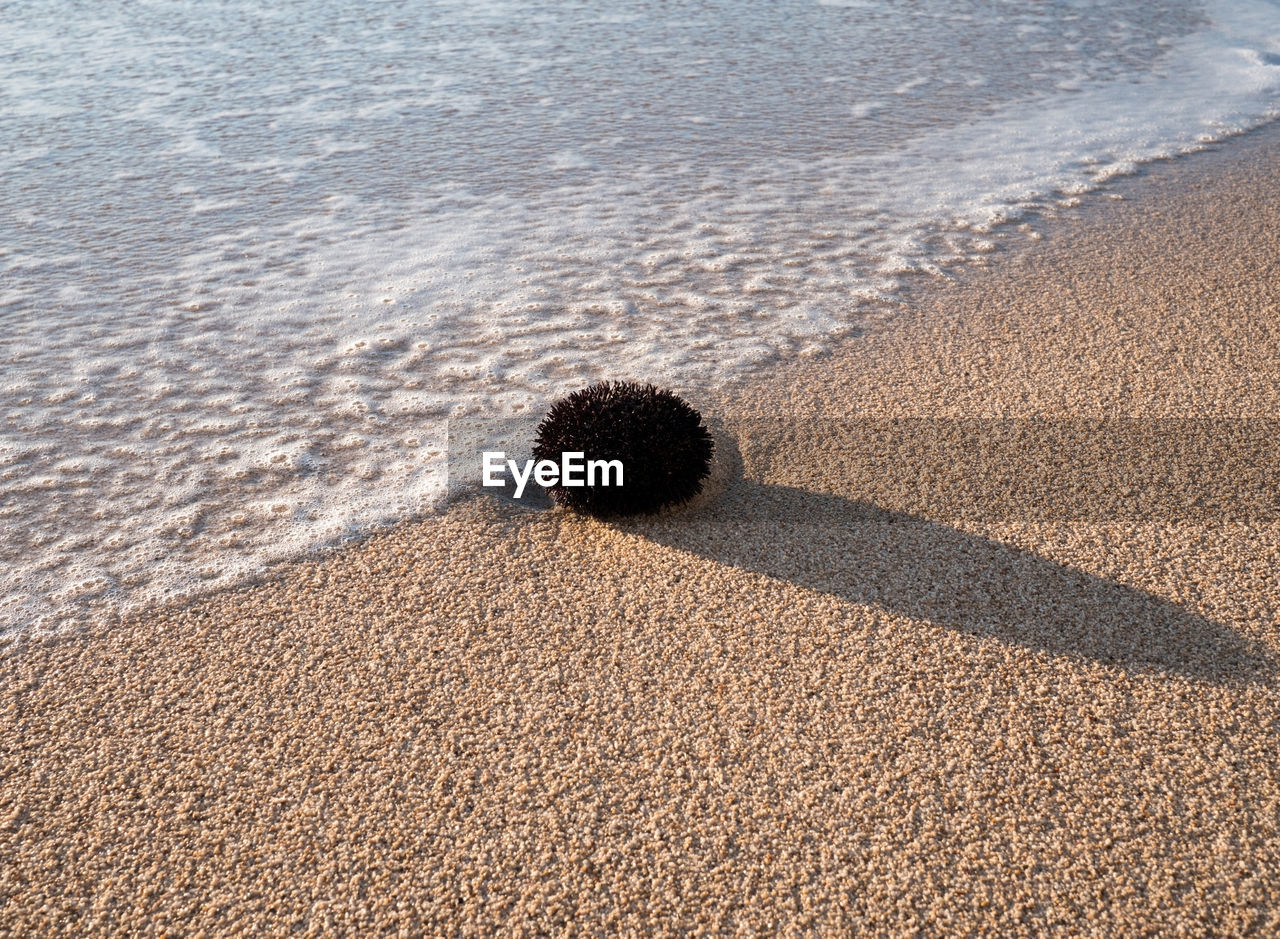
(253, 260)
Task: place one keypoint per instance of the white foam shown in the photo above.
(247, 290)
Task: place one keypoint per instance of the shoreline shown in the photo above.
(94, 601)
(811, 704)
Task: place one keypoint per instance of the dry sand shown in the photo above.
(863, 690)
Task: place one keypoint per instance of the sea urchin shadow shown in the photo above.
(933, 572)
(661, 442)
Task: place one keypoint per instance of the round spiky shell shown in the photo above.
(661, 441)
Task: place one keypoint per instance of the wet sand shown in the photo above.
(891, 680)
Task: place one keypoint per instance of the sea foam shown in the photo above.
(253, 261)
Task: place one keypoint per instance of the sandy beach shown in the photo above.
(890, 681)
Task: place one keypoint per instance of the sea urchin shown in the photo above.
(660, 440)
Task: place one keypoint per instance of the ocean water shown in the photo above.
(253, 258)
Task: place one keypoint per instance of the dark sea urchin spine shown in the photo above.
(660, 440)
